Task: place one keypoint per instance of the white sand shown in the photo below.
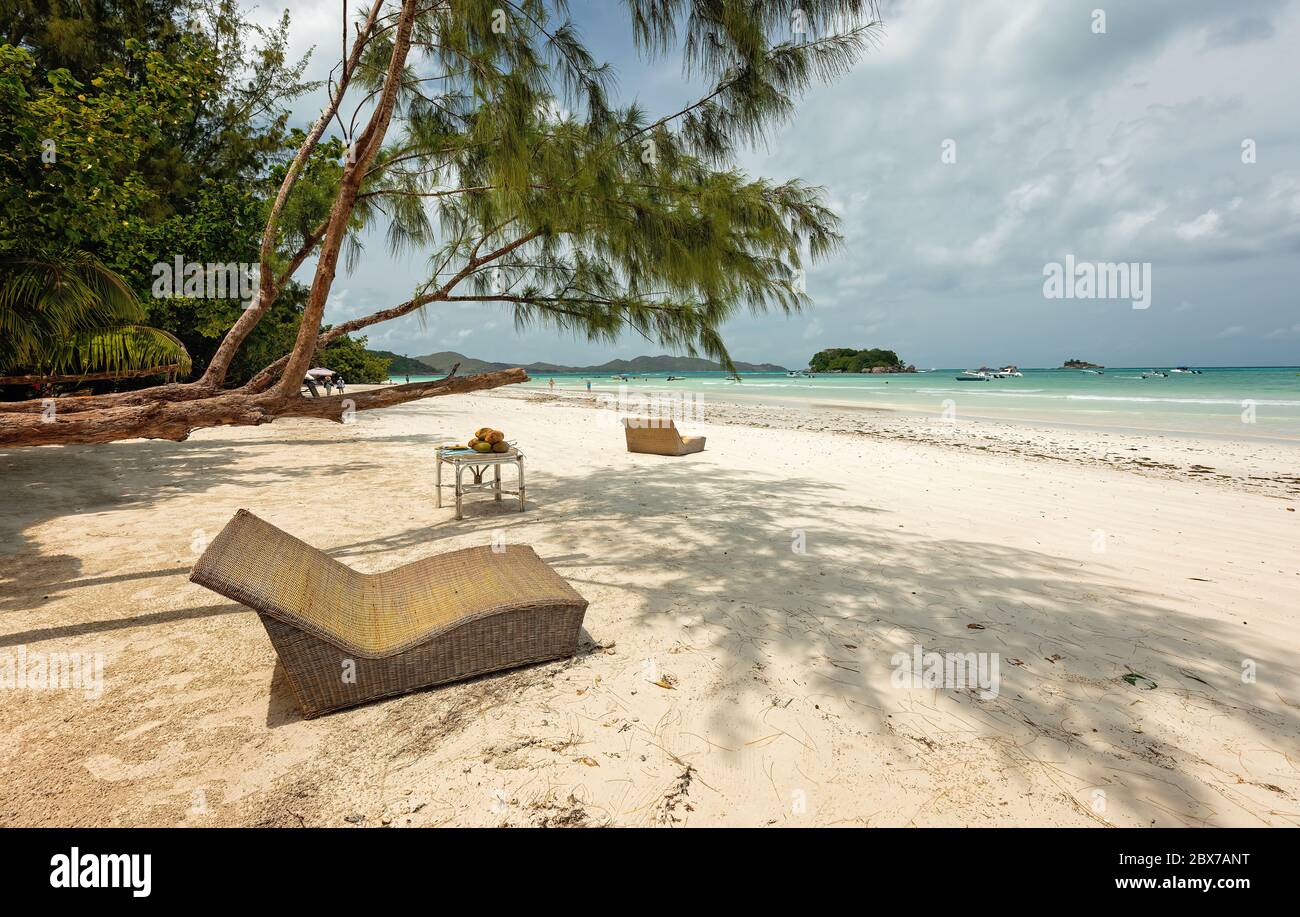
(782, 710)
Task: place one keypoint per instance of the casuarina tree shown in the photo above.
(486, 135)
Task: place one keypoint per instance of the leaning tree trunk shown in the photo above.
(176, 420)
(344, 202)
(173, 411)
(269, 286)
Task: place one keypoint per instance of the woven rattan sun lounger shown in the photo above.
(659, 437)
(346, 637)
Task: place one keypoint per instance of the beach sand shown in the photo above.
(725, 676)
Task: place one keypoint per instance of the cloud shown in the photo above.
(1239, 32)
(1123, 146)
(1120, 147)
(1204, 226)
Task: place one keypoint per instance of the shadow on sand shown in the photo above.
(827, 619)
(826, 623)
(40, 484)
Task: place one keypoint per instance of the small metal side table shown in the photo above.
(478, 463)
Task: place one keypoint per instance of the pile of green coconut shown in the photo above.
(485, 439)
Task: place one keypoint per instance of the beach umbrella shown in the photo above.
(319, 373)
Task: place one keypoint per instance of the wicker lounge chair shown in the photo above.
(659, 437)
(346, 637)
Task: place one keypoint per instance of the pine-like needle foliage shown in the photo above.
(536, 192)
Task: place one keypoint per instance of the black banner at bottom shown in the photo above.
(335, 866)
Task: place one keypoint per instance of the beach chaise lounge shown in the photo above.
(659, 437)
(346, 637)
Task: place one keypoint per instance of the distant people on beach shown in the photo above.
(339, 383)
(552, 385)
(588, 385)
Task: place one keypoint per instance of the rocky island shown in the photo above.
(1080, 364)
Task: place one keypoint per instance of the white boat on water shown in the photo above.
(985, 373)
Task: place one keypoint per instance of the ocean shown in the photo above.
(1240, 402)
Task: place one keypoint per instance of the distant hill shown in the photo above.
(399, 365)
(444, 360)
(441, 362)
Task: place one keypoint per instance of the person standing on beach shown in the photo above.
(588, 385)
(339, 384)
(552, 385)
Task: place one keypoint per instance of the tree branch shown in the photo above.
(268, 290)
(267, 375)
(345, 202)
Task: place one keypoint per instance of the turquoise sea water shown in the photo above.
(1232, 401)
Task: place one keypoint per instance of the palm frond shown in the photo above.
(65, 311)
(124, 350)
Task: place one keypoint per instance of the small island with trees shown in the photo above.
(847, 360)
(1076, 363)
